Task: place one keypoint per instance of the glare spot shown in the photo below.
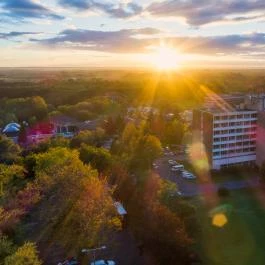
(219, 220)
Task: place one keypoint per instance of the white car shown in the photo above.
(172, 162)
(179, 193)
(177, 167)
(188, 175)
(155, 166)
(103, 262)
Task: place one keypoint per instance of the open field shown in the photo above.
(240, 241)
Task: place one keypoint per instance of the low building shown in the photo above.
(39, 132)
(65, 126)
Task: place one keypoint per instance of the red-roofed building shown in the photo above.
(39, 132)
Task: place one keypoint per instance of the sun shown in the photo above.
(165, 58)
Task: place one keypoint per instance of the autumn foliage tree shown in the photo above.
(73, 199)
(160, 231)
(24, 255)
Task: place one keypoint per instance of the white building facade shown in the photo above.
(234, 138)
(228, 137)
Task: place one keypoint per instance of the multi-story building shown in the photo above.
(232, 135)
(228, 137)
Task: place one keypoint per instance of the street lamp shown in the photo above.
(88, 250)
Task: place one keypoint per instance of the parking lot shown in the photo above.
(189, 187)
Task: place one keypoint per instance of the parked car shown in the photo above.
(103, 262)
(176, 193)
(70, 261)
(172, 162)
(177, 167)
(188, 175)
(179, 193)
(155, 166)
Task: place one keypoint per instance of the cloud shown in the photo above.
(13, 34)
(201, 12)
(128, 41)
(121, 41)
(23, 9)
(119, 10)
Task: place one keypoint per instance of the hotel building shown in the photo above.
(232, 136)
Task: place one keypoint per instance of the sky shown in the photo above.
(128, 33)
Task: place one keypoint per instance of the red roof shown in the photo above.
(41, 128)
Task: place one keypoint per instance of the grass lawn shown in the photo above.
(241, 241)
(236, 174)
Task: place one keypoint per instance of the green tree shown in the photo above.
(9, 151)
(174, 132)
(148, 149)
(95, 138)
(44, 146)
(9, 174)
(38, 107)
(130, 138)
(24, 255)
(98, 158)
(6, 248)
